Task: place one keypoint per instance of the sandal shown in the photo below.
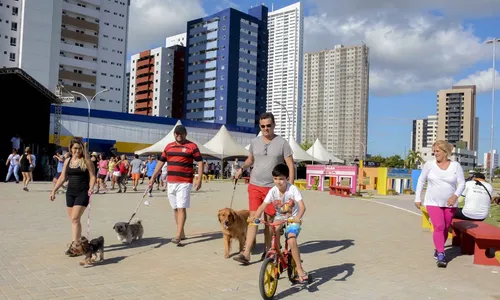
(241, 259)
(177, 241)
(302, 278)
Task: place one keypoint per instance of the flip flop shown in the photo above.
(241, 259)
(304, 279)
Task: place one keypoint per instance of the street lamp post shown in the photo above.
(494, 42)
(288, 116)
(88, 115)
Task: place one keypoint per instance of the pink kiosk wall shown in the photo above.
(335, 173)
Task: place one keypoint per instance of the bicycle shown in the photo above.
(276, 262)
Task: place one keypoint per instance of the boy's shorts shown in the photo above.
(292, 228)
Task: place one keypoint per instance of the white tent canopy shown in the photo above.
(159, 146)
(319, 152)
(300, 154)
(224, 145)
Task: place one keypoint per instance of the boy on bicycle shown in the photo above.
(288, 203)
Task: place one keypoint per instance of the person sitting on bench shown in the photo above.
(477, 195)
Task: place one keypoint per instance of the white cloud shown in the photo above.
(151, 21)
(410, 50)
(483, 80)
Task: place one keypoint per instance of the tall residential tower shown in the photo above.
(335, 106)
(226, 67)
(284, 83)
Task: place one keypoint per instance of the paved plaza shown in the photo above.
(355, 249)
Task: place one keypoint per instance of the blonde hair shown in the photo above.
(27, 150)
(444, 146)
(82, 161)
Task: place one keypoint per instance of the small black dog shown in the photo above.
(127, 232)
(89, 249)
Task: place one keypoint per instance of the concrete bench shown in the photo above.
(479, 239)
(340, 191)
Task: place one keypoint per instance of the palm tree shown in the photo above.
(414, 159)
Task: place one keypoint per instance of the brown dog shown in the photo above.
(234, 226)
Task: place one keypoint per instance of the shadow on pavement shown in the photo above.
(321, 276)
(315, 246)
(107, 261)
(452, 252)
(140, 243)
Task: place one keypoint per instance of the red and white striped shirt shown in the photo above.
(179, 158)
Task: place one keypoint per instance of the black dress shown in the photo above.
(25, 163)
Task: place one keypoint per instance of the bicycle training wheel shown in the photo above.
(268, 279)
(292, 270)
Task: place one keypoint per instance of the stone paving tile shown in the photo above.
(354, 249)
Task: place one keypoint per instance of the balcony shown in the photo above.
(92, 12)
(92, 52)
(144, 88)
(65, 33)
(150, 70)
(142, 105)
(145, 62)
(144, 96)
(80, 23)
(144, 79)
(77, 76)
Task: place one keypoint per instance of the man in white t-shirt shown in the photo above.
(477, 195)
(13, 163)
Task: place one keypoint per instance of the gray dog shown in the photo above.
(128, 232)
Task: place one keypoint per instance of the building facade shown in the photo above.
(335, 106)
(226, 67)
(132, 132)
(284, 82)
(152, 74)
(487, 160)
(79, 44)
(456, 111)
(424, 133)
(126, 92)
(176, 40)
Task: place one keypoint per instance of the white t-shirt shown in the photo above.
(14, 159)
(275, 198)
(441, 184)
(477, 200)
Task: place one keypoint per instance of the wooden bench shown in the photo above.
(478, 238)
(340, 191)
(300, 184)
(247, 180)
(426, 223)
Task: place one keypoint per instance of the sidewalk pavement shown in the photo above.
(355, 249)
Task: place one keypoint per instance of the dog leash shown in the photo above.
(234, 190)
(88, 217)
(139, 204)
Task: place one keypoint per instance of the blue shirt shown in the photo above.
(151, 167)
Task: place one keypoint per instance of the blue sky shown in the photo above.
(416, 48)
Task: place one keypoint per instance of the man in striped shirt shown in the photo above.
(179, 156)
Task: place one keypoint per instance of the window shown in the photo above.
(15, 11)
(12, 56)
(13, 26)
(12, 41)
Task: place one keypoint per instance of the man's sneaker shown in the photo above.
(435, 254)
(441, 260)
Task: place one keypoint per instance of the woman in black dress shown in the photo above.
(80, 173)
(25, 162)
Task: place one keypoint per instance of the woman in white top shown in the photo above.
(445, 183)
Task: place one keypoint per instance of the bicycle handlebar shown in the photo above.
(256, 222)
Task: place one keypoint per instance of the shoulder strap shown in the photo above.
(479, 183)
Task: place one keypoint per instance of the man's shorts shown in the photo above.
(256, 196)
(179, 194)
(136, 176)
(292, 228)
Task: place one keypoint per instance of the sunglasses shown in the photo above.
(267, 125)
(265, 149)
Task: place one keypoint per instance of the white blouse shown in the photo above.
(441, 184)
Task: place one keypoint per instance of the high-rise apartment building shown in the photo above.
(335, 106)
(80, 44)
(176, 40)
(154, 86)
(226, 67)
(424, 133)
(284, 82)
(456, 111)
(487, 160)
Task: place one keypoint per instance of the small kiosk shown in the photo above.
(394, 179)
(345, 176)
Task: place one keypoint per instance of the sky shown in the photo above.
(416, 48)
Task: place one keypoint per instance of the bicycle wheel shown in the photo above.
(292, 270)
(268, 279)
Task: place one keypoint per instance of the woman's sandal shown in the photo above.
(302, 279)
(241, 259)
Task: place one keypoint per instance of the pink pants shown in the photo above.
(441, 218)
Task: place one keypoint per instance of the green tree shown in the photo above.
(394, 161)
(306, 145)
(497, 171)
(377, 158)
(414, 159)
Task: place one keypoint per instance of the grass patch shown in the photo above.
(495, 215)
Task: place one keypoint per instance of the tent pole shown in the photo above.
(222, 166)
